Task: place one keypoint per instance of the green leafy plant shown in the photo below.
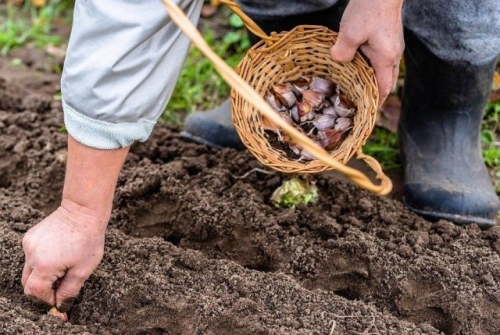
(489, 135)
(491, 117)
(27, 24)
(491, 151)
(490, 141)
(383, 145)
(294, 192)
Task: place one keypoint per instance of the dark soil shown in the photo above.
(193, 249)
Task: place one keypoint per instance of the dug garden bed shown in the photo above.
(194, 245)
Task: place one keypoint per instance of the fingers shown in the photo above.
(40, 287)
(381, 59)
(36, 281)
(59, 258)
(345, 48)
(53, 291)
(386, 72)
(386, 80)
(377, 31)
(67, 290)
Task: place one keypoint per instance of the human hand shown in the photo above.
(61, 252)
(375, 27)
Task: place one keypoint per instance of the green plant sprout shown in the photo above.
(294, 192)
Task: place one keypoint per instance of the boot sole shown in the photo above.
(457, 219)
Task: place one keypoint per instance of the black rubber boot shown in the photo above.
(214, 128)
(439, 129)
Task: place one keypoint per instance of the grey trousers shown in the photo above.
(125, 56)
(456, 30)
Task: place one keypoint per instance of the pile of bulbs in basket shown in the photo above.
(316, 107)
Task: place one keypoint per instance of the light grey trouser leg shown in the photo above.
(123, 60)
(456, 30)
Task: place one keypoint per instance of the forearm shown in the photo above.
(91, 176)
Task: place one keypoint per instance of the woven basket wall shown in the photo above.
(303, 51)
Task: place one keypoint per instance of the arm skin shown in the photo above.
(375, 27)
(63, 250)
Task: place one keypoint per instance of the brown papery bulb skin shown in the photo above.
(342, 106)
(285, 95)
(314, 98)
(274, 102)
(330, 139)
(305, 111)
(301, 83)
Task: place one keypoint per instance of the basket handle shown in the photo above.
(258, 102)
(249, 23)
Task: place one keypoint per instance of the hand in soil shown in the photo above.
(60, 254)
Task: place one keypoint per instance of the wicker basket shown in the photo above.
(304, 50)
(286, 56)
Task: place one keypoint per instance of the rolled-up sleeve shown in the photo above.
(123, 60)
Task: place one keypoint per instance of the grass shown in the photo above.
(490, 139)
(490, 133)
(383, 145)
(28, 24)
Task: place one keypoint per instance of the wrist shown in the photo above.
(85, 220)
